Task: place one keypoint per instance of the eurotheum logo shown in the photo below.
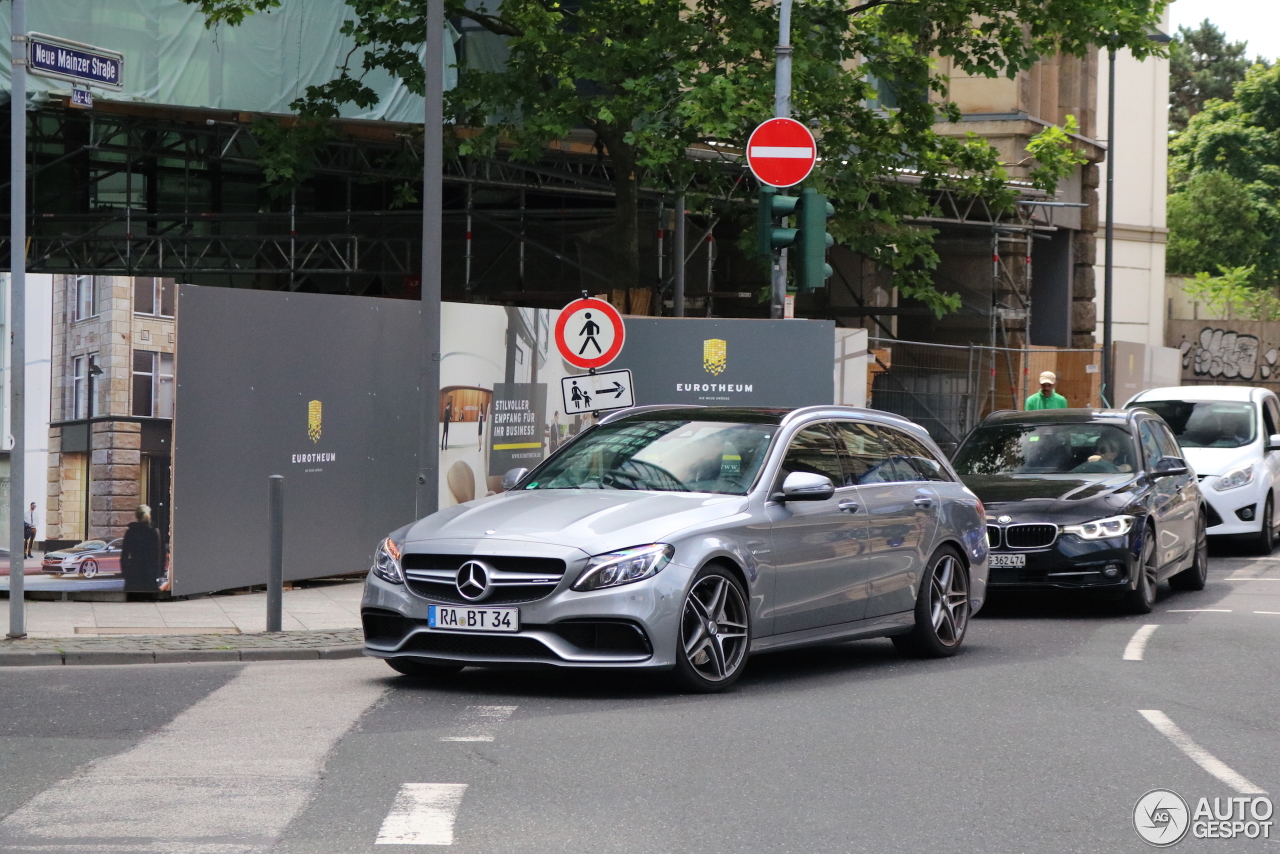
(313, 421)
(1161, 818)
(715, 355)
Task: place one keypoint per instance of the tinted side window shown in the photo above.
(1168, 444)
(1269, 416)
(866, 458)
(1150, 445)
(910, 450)
(813, 450)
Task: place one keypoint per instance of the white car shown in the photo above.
(1230, 435)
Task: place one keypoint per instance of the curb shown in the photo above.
(47, 658)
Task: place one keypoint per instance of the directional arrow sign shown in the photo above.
(597, 392)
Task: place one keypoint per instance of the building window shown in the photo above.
(79, 387)
(152, 384)
(86, 304)
(153, 297)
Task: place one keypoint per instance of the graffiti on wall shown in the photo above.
(1226, 354)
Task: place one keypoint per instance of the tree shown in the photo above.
(652, 79)
(1202, 65)
(1230, 153)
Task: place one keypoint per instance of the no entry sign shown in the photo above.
(589, 333)
(781, 152)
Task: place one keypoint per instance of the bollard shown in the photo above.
(275, 568)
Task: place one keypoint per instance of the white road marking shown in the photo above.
(1198, 611)
(785, 152)
(1198, 754)
(1138, 643)
(1250, 579)
(1267, 612)
(478, 722)
(423, 814)
(226, 776)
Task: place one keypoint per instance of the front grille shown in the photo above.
(446, 592)
(517, 579)
(993, 536)
(490, 646)
(506, 563)
(1030, 536)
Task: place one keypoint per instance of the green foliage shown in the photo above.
(1233, 292)
(288, 151)
(1238, 139)
(1055, 154)
(1202, 65)
(231, 12)
(652, 79)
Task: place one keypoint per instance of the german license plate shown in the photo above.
(474, 619)
(1008, 561)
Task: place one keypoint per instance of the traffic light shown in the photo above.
(771, 237)
(812, 240)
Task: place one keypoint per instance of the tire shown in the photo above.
(1195, 576)
(89, 569)
(1266, 540)
(942, 609)
(715, 632)
(422, 667)
(1142, 598)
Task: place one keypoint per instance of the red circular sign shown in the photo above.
(781, 152)
(589, 333)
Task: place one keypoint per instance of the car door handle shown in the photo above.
(924, 502)
(848, 506)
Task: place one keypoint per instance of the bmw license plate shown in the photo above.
(473, 619)
(1008, 561)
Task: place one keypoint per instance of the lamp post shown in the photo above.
(428, 486)
(781, 110)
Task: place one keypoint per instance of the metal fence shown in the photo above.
(949, 389)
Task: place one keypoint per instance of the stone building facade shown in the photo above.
(111, 406)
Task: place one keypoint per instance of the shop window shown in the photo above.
(152, 384)
(153, 297)
(86, 303)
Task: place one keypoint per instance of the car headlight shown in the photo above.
(386, 562)
(624, 566)
(1101, 529)
(1234, 480)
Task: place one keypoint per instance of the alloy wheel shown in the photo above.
(949, 600)
(713, 630)
(89, 569)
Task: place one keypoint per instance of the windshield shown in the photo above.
(1207, 424)
(663, 456)
(1046, 449)
(88, 546)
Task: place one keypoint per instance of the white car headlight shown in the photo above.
(624, 566)
(1101, 529)
(386, 562)
(1235, 479)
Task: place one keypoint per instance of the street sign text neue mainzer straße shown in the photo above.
(75, 62)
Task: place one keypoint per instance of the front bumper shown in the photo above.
(1225, 509)
(632, 626)
(1070, 563)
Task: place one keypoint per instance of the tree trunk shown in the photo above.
(626, 233)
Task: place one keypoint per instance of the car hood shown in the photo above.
(594, 520)
(63, 555)
(1215, 462)
(1056, 498)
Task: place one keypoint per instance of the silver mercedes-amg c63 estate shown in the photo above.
(686, 538)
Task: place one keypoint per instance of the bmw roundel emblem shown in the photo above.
(1005, 520)
(473, 580)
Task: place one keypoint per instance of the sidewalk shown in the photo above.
(318, 622)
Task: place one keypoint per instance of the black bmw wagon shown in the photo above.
(1094, 499)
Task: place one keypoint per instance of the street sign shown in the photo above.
(64, 59)
(597, 392)
(589, 333)
(82, 98)
(781, 152)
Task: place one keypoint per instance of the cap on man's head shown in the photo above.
(1048, 377)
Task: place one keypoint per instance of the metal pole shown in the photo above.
(17, 317)
(275, 568)
(781, 110)
(1108, 380)
(428, 493)
(678, 261)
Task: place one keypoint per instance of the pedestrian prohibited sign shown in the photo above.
(597, 392)
(781, 152)
(589, 333)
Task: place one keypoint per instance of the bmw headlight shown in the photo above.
(1101, 529)
(1235, 479)
(625, 566)
(386, 562)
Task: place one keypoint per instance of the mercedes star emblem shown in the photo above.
(1005, 520)
(473, 580)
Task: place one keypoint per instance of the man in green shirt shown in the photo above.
(1046, 397)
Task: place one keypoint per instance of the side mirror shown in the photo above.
(1273, 442)
(1170, 466)
(806, 486)
(512, 478)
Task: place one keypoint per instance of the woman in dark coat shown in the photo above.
(140, 559)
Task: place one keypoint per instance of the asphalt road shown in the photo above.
(1039, 737)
